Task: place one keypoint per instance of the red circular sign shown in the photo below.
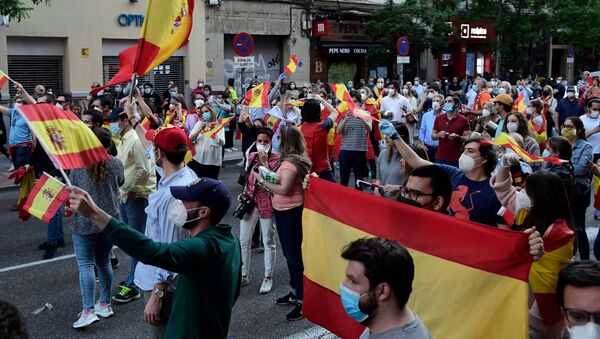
(402, 46)
(243, 44)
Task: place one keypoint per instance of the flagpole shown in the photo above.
(133, 85)
(64, 175)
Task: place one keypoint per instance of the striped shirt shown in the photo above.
(354, 135)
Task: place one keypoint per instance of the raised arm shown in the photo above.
(411, 158)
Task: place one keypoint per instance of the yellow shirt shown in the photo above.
(140, 177)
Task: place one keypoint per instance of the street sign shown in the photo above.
(243, 44)
(402, 46)
(403, 60)
(243, 62)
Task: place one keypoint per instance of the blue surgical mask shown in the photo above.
(118, 89)
(545, 153)
(351, 301)
(114, 128)
(474, 87)
(206, 116)
(448, 107)
(350, 86)
(147, 90)
(173, 93)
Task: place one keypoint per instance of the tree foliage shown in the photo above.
(17, 9)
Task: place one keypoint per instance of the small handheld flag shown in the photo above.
(258, 97)
(272, 121)
(45, 199)
(215, 127)
(507, 141)
(3, 79)
(292, 66)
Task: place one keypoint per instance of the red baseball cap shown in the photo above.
(168, 137)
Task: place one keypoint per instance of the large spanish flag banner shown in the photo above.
(167, 27)
(45, 199)
(507, 141)
(67, 141)
(258, 97)
(470, 280)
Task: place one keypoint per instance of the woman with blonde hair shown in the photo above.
(288, 203)
(208, 159)
(289, 114)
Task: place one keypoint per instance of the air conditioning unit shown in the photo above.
(214, 2)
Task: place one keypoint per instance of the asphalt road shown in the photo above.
(56, 282)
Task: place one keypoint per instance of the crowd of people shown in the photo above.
(425, 144)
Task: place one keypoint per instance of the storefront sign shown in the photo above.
(126, 20)
(346, 50)
(243, 62)
(320, 28)
(332, 30)
(474, 31)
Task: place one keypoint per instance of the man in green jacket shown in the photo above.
(209, 262)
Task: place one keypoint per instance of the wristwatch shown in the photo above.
(158, 292)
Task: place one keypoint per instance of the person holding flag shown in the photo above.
(209, 146)
(538, 124)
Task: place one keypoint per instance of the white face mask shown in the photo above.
(512, 127)
(588, 331)
(570, 94)
(58, 105)
(391, 92)
(405, 91)
(522, 201)
(379, 85)
(263, 148)
(363, 96)
(178, 213)
(198, 102)
(485, 112)
(430, 96)
(538, 120)
(435, 105)
(528, 110)
(501, 91)
(466, 163)
(594, 114)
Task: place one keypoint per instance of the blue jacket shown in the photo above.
(566, 108)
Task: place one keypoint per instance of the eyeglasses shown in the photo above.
(60, 102)
(413, 194)
(568, 126)
(579, 317)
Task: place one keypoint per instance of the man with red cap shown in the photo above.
(209, 262)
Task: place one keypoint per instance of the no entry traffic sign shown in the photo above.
(243, 44)
(402, 46)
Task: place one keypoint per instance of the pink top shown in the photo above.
(262, 198)
(295, 197)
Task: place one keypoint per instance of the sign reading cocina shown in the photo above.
(347, 50)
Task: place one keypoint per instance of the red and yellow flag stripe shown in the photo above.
(258, 97)
(507, 141)
(3, 79)
(292, 66)
(216, 127)
(461, 268)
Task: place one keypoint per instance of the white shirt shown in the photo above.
(209, 151)
(398, 106)
(589, 124)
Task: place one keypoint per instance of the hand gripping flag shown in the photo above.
(45, 199)
(215, 127)
(291, 66)
(67, 141)
(258, 97)
(461, 268)
(507, 141)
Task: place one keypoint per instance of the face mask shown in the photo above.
(351, 301)
(474, 87)
(568, 133)
(501, 91)
(512, 127)
(100, 93)
(545, 153)
(206, 116)
(350, 86)
(173, 94)
(220, 101)
(114, 128)
(435, 105)
(466, 163)
(200, 84)
(118, 89)
(292, 86)
(198, 102)
(538, 120)
(147, 90)
(485, 112)
(587, 331)
(172, 107)
(570, 94)
(594, 114)
(379, 85)
(371, 83)
(430, 96)
(58, 105)
(528, 110)
(263, 148)
(179, 216)
(206, 93)
(522, 206)
(391, 91)
(417, 82)
(448, 107)
(363, 96)
(565, 83)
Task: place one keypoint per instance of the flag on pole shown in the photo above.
(45, 199)
(3, 79)
(215, 127)
(507, 141)
(272, 121)
(457, 264)
(67, 141)
(258, 97)
(167, 27)
(520, 105)
(291, 66)
(126, 60)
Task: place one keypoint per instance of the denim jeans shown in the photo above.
(355, 161)
(133, 214)
(583, 243)
(431, 151)
(327, 175)
(55, 228)
(289, 230)
(93, 249)
(21, 156)
(267, 229)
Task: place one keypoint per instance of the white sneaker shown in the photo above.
(245, 281)
(85, 320)
(267, 285)
(104, 312)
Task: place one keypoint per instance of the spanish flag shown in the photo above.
(215, 127)
(3, 79)
(126, 60)
(67, 141)
(45, 199)
(167, 27)
(296, 103)
(272, 121)
(341, 92)
(470, 280)
(507, 141)
(520, 105)
(258, 97)
(291, 66)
